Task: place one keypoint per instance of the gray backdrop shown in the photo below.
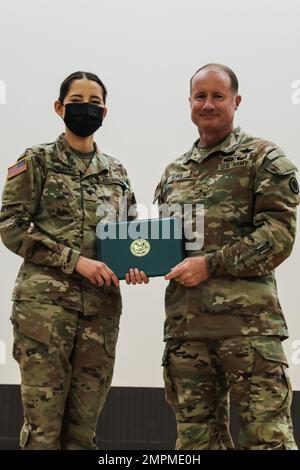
(145, 52)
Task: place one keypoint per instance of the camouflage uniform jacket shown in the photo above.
(49, 218)
(249, 192)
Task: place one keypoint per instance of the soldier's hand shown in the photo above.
(97, 272)
(136, 276)
(190, 272)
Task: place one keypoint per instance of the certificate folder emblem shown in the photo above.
(151, 245)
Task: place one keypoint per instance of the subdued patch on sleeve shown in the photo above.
(294, 185)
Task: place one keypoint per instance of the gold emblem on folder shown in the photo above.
(140, 247)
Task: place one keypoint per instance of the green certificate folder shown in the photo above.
(152, 245)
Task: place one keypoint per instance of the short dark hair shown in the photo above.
(233, 78)
(66, 84)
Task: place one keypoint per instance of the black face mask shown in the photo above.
(83, 119)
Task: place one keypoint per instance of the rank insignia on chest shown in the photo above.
(16, 169)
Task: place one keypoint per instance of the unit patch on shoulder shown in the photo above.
(294, 185)
(16, 169)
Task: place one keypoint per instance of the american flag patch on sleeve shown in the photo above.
(16, 169)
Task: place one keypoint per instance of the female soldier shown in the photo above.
(67, 305)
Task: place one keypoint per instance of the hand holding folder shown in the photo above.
(153, 246)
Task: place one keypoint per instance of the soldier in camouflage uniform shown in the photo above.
(224, 323)
(67, 305)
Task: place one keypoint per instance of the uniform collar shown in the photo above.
(228, 145)
(98, 164)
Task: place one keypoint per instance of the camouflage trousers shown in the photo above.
(199, 375)
(66, 362)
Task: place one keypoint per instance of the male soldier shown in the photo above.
(224, 323)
